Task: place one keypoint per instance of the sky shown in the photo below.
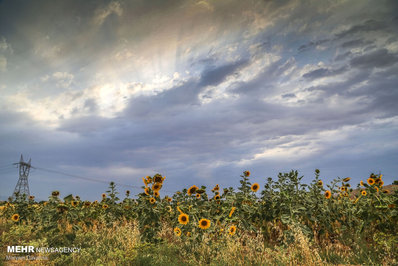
(198, 91)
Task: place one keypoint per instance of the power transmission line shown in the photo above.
(6, 171)
(88, 178)
(6, 165)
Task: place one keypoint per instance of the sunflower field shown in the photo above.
(282, 221)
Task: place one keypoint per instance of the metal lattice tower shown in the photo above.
(22, 187)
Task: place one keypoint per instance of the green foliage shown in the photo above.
(165, 230)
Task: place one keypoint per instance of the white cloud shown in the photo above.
(63, 79)
(45, 78)
(5, 46)
(103, 13)
(205, 5)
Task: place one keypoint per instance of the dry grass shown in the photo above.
(121, 245)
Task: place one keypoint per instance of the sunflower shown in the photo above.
(146, 190)
(381, 183)
(145, 181)
(158, 178)
(183, 218)
(377, 180)
(217, 197)
(156, 194)
(204, 223)
(216, 188)
(148, 179)
(200, 191)
(55, 193)
(74, 203)
(377, 189)
(87, 203)
(152, 200)
(328, 194)
(177, 231)
(169, 199)
(105, 206)
(192, 190)
(103, 195)
(31, 197)
(232, 230)
(232, 211)
(371, 181)
(361, 183)
(345, 194)
(363, 192)
(346, 179)
(188, 234)
(156, 186)
(198, 196)
(320, 183)
(61, 208)
(2, 208)
(246, 173)
(255, 187)
(15, 217)
(343, 189)
(386, 191)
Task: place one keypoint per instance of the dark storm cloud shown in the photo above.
(381, 91)
(343, 56)
(266, 79)
(214, 76)
(341, 87)
(324, 72)
(289, 95)
(184, 95)
(367, 26)
(379, 58)
(91, 105)
(312, 44)
(354, 43)
(87, 125)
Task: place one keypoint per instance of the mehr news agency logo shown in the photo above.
(41, 250)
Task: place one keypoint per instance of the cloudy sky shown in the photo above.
(196, 90)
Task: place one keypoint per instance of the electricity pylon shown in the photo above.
(22, 187)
